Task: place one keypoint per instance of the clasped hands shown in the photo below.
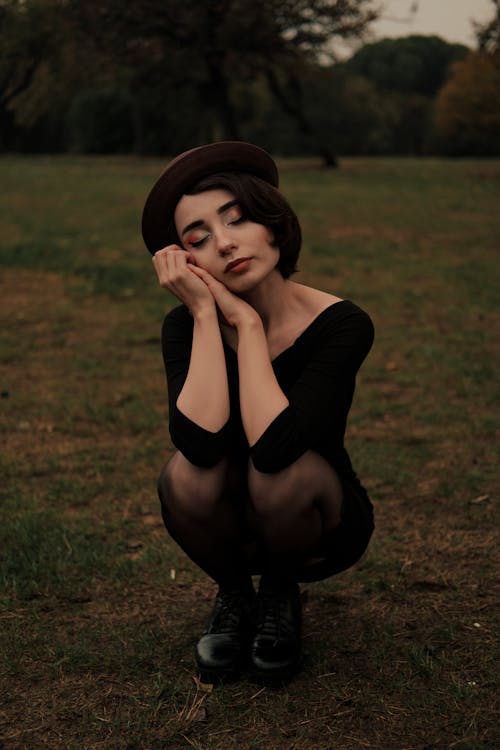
(197, 288)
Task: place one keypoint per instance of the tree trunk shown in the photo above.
(218, 94)
(291, 103)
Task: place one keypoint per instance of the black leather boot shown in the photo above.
(223, 648)
(275, 650)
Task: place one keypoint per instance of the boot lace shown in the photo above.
(273, 614)
(230, 607)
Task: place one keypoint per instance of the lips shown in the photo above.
(235, 263)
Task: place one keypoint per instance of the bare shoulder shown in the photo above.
(315, 300)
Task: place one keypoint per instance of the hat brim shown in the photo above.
(190, 167)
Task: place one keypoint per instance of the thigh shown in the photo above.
(182, 483)
(308, 493)
(345, 545)
(309, 484)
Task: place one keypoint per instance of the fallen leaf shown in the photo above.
(205, 687)
(480, 499)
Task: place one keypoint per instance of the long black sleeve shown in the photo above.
(200, 446)
(320, 398)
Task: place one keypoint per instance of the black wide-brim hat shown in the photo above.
(187, 169)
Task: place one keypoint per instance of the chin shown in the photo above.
(243, 287)
(249, 281)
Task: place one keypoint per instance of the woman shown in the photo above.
(261, 373)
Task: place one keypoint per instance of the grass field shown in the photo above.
(100, 612)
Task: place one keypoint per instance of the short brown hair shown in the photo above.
(262, 203)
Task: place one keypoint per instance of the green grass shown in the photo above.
(100, 610)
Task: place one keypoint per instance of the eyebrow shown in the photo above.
(200, 222)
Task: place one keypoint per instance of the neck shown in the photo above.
(272, 299)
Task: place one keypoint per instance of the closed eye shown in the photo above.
(197, 243)
(233, 219)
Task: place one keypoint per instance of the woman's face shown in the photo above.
(236, 251)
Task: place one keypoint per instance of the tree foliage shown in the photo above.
(414, 64)
(407, 73)
(25, 46)
(467, 110)
(468, 107)
(208, 47)
(160, 76)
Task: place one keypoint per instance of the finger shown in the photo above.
(205, 275)
(201, 274)
(169, 263)
(216, 287)
(165, 263)
(197, 270)
(160, 254)
(167, 252)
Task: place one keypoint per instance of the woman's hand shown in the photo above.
(236, 311)
(173, 268)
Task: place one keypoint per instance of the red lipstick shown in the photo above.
(240, 264)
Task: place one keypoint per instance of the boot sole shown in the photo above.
(216, 677)
(276, 677)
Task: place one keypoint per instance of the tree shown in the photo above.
(343, 109)
(41, 71)
(25, 44)
(209, 47)
(217, 44)
(467, 114)
(488, 34)
(413, 64)
(408, 72)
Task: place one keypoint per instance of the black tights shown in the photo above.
(233, 521)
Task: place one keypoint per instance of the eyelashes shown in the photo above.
(193, 242)
(197, 243)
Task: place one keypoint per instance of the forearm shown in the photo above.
(261, 398)
(204, 397)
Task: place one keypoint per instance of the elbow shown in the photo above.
(280, 445)
(201, 447)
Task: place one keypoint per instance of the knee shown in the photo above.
(186, 488)
(273, 494)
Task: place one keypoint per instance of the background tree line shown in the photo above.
(101, 76)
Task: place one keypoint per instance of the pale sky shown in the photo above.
(449, 19)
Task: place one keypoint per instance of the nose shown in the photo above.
(225, 245)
